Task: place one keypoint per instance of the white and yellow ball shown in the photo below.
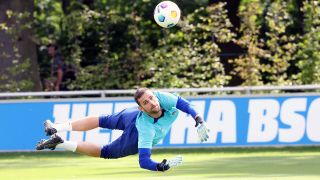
(167, 14)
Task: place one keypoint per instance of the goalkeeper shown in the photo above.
(143, 127)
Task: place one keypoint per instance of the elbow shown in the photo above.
(143, 164)
(144, 160)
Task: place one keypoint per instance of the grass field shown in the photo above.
(234, 163)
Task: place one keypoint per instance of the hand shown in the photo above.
(163, 166)
(202, 129)
(198, 120)
(166, 164)
(176, 161)
(56, 88)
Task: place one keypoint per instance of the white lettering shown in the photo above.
(263, 125)
(290, 117)
(95, 135)
(313, 121)
(184, 126)
(61, 115)
(222, 119)
(117, 108)
(78, 112)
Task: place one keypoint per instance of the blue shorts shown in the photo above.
(127, 143)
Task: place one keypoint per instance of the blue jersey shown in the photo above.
(151, 132)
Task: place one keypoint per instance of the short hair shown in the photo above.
(53, 45)
(139, 93)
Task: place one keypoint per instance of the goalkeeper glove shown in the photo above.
(202, 129)
(166, 164)
(176, 161)
(163, 166)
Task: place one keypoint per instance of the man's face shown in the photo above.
(51, 51)
(149, 103)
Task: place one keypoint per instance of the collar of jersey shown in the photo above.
(155, 120)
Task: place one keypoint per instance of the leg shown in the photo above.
(85, 124)
(118, 120)
(56, 141)
(89, 149)
(125, 145)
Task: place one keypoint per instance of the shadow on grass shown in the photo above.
(232, 150)
(38, 154)
(210, 165)
(251, 166)
(245, 150)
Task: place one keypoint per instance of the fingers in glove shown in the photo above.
(203, 132)
(175, 161)
(203, 135)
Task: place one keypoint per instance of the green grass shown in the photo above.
(209, 163)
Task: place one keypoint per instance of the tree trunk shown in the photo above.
(65, 5)
(19, 70)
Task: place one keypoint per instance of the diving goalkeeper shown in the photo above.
(143, 127)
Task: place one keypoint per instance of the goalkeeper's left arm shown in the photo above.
(184, 105)
(147, 163)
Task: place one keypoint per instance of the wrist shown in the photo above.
(163, 166)
(198, 118)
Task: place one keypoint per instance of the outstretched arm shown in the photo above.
(185, 106)
(147, 163)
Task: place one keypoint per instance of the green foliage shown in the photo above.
(127, 42)
(120, 50)
(190, 57)
(14, 72)
(308, 56)
(48, 15)
(280, 45)
(270, 45)
(248, 66)
(117, 44)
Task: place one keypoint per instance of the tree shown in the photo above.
(266, 32)
(280, 44)
(190, 56)
(248, 66)
(308, 56)
(18, 59)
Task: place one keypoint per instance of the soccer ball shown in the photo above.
(167, 14)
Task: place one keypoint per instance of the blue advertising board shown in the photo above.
(233, 121)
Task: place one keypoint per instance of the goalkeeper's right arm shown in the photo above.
(146, 162)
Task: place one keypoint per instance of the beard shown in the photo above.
(156, 109)
(153, 111)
